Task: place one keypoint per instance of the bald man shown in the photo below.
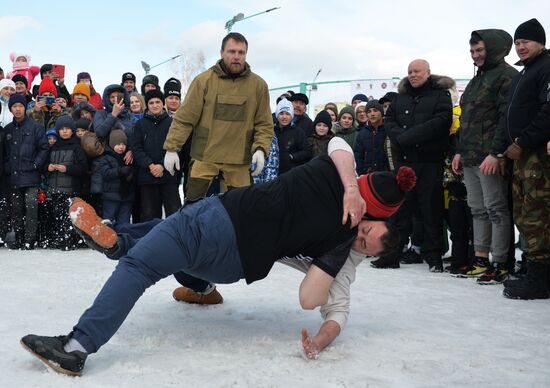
(417, 123)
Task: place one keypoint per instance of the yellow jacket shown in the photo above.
(229, 117)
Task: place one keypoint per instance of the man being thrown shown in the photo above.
(224, 239)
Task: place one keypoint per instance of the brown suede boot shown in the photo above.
(184, 294)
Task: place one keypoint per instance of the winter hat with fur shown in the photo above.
(92, 145)
(384, 192)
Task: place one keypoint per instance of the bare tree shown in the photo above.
(188, 66)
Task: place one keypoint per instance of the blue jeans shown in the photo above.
(198, 240)
(129, 235)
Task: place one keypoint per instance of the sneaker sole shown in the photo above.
(86, 221)
(53, 365)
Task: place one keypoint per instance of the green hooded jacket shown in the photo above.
(229, 117)
(484, 102)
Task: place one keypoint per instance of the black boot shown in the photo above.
(533, 286)
(388, 261)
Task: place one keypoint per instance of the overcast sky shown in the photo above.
(347, 40)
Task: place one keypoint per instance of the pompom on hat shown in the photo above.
(384, 192)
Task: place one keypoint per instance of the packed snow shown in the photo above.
(408, 328)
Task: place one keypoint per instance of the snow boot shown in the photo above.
(50, 351)
(411, 257)
(184, 294)
(96, 234)
(388, 261)
(533, 286)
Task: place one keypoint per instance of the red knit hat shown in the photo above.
(384, 192)
(47, 86)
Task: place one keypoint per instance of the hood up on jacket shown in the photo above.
(498, 44)
(108, 90)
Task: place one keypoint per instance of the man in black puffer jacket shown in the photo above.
(26, 152)
(417, 124)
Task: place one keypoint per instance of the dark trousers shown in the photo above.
(426, 201)
(24, 211)
(154, 197)
(63, 235)
(117, 211)
(5, 210)
(459, 221)
(130, 234)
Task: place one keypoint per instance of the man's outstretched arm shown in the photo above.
(328, 332)
(342, 156)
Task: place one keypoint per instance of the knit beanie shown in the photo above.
(6, 82)
(128, 77)
(346, 109)
(361, 97)
(384, 192)
(117, 136)
(64, 121)
(172, 87)
(154, 93)
(51, 132)
(284, 106)
(20, 78)
(47, 85)
(83, 75)
(531, 30)
(374, 105)
(82, 88)
(323, 117)
(17, 98)
(82, 123)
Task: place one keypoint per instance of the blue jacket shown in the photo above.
(26, 152)
(369, 150)
(109, 165)
(104, 120)
(147, 145)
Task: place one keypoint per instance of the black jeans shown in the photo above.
(155, 196)
(24, 212)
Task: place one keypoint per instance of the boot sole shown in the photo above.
(507, 295)
(50, 364)
(86, 221)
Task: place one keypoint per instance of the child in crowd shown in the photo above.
(118, 179)
(67, 165)
(321, 133)
(369, 151)
(345, 127)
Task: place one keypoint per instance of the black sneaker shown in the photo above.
(494, 275)
(411, 257)
(436, 267)
(50, 351)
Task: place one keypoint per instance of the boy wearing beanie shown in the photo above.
(322, 134)
(26, 151)
(81, 93)
(369, 145)
(345, 127)
(118, 179)
(64, 173)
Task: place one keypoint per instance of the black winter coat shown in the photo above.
(149, 135)
(369, 150)
(118, 179)
(70, 154)
(528, 117)
(304, 122)
(26, 152)
(419, 119)
(294, 149)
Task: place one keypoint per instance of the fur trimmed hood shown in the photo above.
(437, 82)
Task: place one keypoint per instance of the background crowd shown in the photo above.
(481, 159)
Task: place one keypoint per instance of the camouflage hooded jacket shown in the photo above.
(484, 102)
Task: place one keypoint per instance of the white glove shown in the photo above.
(171, 160)
(258, 161)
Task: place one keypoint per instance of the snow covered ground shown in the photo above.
(408, 328)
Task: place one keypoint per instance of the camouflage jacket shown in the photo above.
(484, 102)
